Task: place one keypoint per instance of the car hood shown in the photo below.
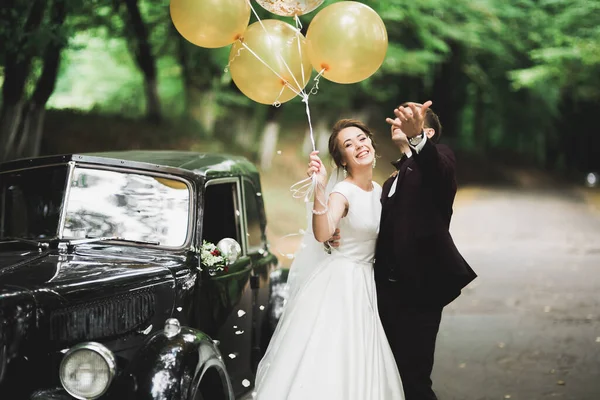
(96, 267)
(48, 299)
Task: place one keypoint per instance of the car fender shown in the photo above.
(175, 363)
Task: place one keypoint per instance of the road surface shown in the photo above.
(528, 328)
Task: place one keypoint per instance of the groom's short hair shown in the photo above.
(431, 120)
(334, 151)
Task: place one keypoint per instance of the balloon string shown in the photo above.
(305, 187)
(277, 103)
(312, 138)
(315, 87)
(236, 55)
(298, 22)
(293, 89)
(298, 33)
(279, 54)
(289, 256)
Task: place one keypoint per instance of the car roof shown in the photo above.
(207, 165)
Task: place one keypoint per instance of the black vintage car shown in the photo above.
(103, 290)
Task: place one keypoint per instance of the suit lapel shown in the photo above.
(387, 202)
(405, 169)
(387, 185)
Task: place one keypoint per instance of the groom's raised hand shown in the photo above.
(410, 119)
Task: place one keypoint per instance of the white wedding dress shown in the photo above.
(329, 343)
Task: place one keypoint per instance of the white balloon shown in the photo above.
(230, 249)
(289, 8)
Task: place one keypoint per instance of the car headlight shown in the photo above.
(87, 370)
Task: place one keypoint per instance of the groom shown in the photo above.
(418, 269)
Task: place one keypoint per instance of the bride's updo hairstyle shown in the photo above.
(342, 124)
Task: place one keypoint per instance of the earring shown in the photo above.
(345, 171)
(375, 161)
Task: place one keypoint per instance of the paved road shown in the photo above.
(529, 327)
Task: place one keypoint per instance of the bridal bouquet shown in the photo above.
(212, 258)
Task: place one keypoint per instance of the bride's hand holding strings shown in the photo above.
(315, 166)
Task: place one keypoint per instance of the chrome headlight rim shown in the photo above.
(102, 351)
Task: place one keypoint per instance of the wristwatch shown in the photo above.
(415, 140)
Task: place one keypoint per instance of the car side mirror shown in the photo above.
(230, 250)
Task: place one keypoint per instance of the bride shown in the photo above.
(329, 343)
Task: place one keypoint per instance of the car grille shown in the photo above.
(102, 319)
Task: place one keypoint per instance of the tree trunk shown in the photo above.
(16, 71)
(268, 144)
(145, 61)
(33, 127)
(33, 117)
(9, 126)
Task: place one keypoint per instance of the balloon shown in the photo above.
(210, 23)
(348, 40)
(258, 81)
(289, 8)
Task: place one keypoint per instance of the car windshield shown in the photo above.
(104, 203)
(31, 201)
(99, 203)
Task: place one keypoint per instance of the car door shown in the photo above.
(263, 263)
(226, 311)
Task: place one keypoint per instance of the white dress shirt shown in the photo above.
(417, 149)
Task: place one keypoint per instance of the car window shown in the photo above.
(104, 203)
(253, 216)
(31, 201)
(221, 218)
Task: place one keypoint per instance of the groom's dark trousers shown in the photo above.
(418, 269)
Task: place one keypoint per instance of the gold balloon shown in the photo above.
(210, 23)
(276, 43)
(289, 8)
(348, 40)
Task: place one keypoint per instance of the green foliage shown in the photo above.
(568, 56)
(506, 68)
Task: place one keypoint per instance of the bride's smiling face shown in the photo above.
(356, 148)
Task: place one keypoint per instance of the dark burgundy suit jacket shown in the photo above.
(415, 251)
